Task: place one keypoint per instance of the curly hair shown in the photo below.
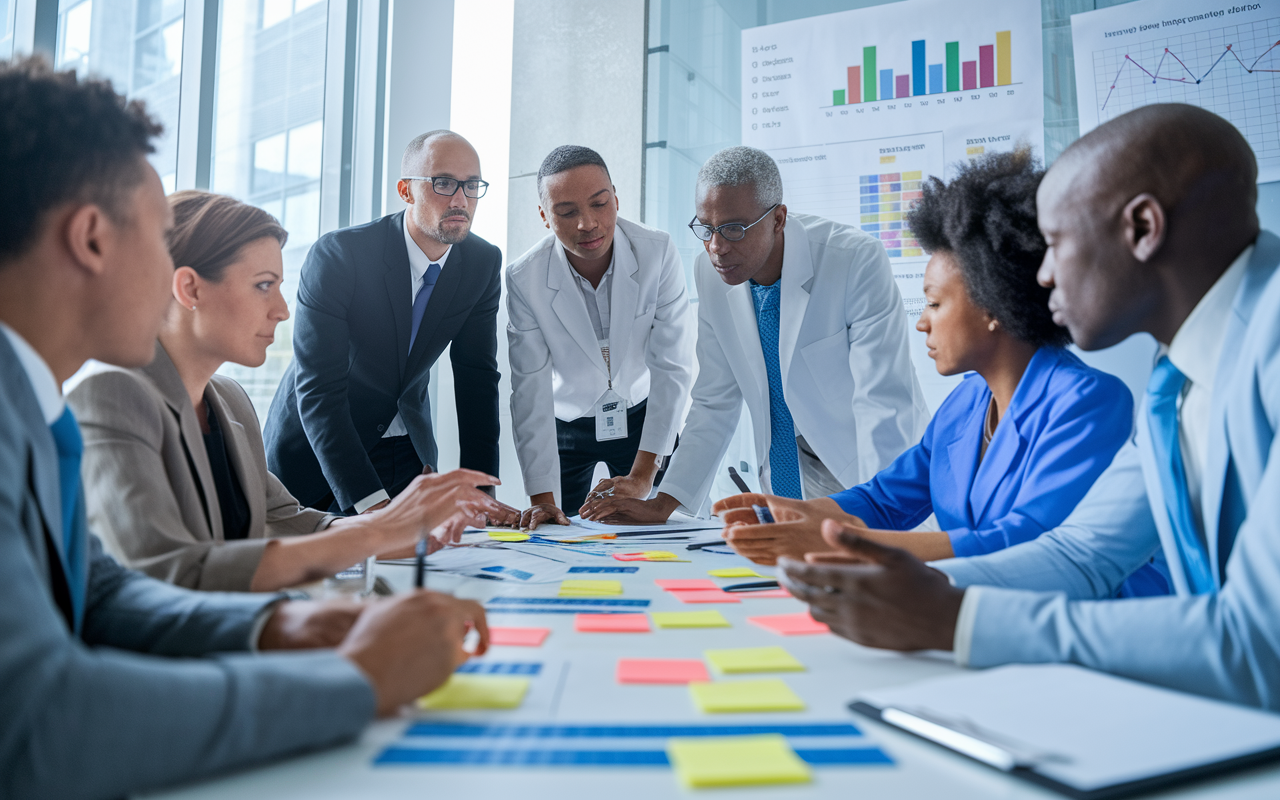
(986, 218)
(64, 140)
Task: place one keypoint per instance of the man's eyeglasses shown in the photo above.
(449, 186)
(733, 231)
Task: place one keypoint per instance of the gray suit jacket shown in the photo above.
(151, 694)
(149, 487)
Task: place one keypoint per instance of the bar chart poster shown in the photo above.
(1222, 57)
(859, 108)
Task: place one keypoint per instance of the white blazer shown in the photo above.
(557, 371)
(846, 369)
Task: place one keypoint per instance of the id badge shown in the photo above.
(611, 417)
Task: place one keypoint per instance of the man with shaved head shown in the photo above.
(1151, 225)
(350, 425)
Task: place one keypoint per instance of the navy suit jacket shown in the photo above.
(352, 369)
(1064, 425)
(151, 691)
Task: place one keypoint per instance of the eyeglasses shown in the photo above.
(733, 231)
(449, 186)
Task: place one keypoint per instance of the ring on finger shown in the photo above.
(831, 589)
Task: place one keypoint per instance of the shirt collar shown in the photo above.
(1198, 343)
(45, 386)
(564, 259)
(418, 261)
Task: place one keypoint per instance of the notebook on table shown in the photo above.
(1082, 733)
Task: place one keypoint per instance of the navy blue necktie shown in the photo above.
(66, 438)
(784, 458)
(420, 302)
(1163, 391)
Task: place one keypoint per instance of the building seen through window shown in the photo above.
(137, 45)
(269, 104)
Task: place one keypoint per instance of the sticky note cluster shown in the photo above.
(583, 588)
(736, 761)
(464, 691)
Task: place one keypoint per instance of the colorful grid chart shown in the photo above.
(885, 199)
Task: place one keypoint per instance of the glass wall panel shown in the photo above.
(8, 10)
(137, 45)
(268, 110)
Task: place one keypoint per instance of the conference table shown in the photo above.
(575, 685)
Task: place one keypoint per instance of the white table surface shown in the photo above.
(577, 685)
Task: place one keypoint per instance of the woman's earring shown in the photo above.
(991, 326)
(193, 308)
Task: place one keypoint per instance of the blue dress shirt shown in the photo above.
(1065, 423)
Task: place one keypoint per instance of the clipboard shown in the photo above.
(1081, 733)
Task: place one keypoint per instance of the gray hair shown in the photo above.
(565, 158)
(743, 166)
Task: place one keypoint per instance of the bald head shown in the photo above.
(1142, 215)
(1178, 153)
(415, 153)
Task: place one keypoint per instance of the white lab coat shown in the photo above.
(846, 369)
(557, 371)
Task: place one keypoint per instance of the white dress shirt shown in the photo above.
(45, 386)
(1195, 351)
(418, 264)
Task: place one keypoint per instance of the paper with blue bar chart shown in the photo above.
(860, 107)
(1222, 57)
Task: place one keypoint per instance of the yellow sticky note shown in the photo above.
(753, 659)
(590, 588)
(689, 619)
(736, 761)
(768, 694)
(477, 691)
(659, 555)
(736, 572)
(508, 536)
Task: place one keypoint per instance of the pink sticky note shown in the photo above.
(661, 670)
(687, 583)
(611, 623)
(765, 594)
(704, 596)
(631, 556)
(790, 624)
(519, 637)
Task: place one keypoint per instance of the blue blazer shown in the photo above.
(1064, 425)
(1037, 600)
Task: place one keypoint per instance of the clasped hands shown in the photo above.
(866, 591)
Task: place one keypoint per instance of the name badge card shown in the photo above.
(611, 417)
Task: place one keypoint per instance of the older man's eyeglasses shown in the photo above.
(449, 186)
(733, 231)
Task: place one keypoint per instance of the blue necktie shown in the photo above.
(420, 302)
(1163, 391)
(784, 459)
(66, 438)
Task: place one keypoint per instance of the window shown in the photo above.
(268, 111)
(137, 45)
(8, 10)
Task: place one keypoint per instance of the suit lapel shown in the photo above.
(399, 281)
(797, 278)
(743, 313)
(1258, 272)
(165, 376)
(570, 308)
(962, 454)
(624, 298)
(1008, 443)
(238, 453)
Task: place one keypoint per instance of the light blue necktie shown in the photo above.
(784, 459)
(1163, 391)
(420, 302)
(66, 438)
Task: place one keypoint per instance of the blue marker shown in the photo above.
(763, 514)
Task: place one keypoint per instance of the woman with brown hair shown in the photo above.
(174, 470)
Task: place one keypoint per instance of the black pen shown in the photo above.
(420, 579)
(751, 587)
(700, 545)
(738, 481)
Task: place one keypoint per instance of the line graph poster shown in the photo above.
(860, 107)
(1223, 57)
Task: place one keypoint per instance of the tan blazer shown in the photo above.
(142, 443)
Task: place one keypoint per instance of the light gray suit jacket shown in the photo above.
(1225, 644)
(149, 486)
(151, 694)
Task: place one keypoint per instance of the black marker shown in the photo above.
(420, 579)
(738, 481)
